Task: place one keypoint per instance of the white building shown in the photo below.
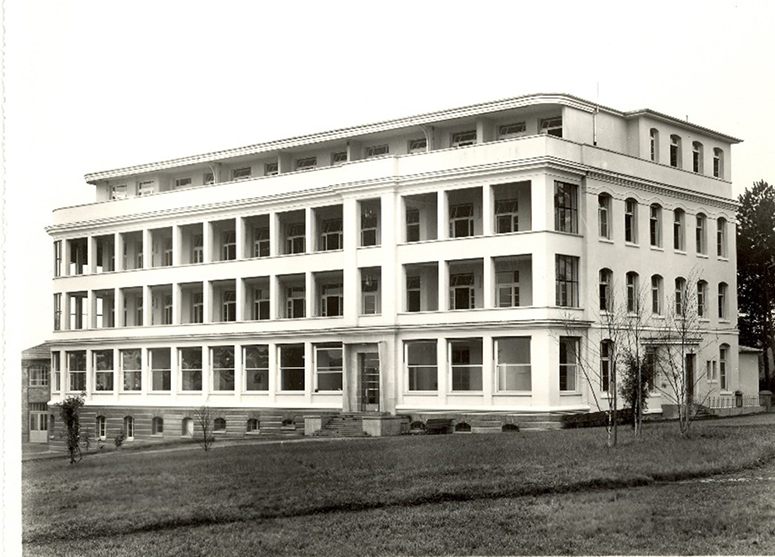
(420, 267)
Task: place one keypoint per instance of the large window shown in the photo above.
(161, 373)
(680, 296)
(655, 225)
(702, 299)
(569, 349)
(566, 207)
(465, 357)
(507, 288)
(461, 220)
(462, 293)
(721, 237)
(222, 360)
(255, 361)
(723, 312)
(701, 234)
(605, 290)
(631, 221)
(328, 367)
(292, 367)
(656, 295)
(57, 312)
(604, 215)
(422, 365)
(56, 368)
(76, 369)
(512, 358)
(191, 368)
(606, 362)
(567, 281)
(103, 370)
(506, 216)
(679, 242)
(294, 301)
(131, 368)
(633, 293)
(723, 351)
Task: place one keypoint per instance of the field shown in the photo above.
(536, 492)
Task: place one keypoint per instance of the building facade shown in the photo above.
(36, 373)
(450, 264)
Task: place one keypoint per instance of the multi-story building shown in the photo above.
(426, 266)
(35, 393)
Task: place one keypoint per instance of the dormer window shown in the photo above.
(339, 157)
(463, 139)
(182, 183)
(241, 173)
(551, 126)
(145, 188)
(377, 150)
(118, 192)
(307, 163)
(418, 145)
(512, 130)
(270, 169)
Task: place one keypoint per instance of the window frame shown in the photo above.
(224, 376)
(380, 150)
(191, 374)
(465, 138)
(631, 220)
(465, 376)
(566, 206)
(512, 286)
(412, 369)
(550, 126)
(656, 294)
(701, 234)
(655, 225)
(514, 129)
(603, 216)
(721, 238)
(506, 213)
(76, 380)
(568, 370)
(107, 375)
(566, 286)
(501, 367)
(241, 173)
(333, 371)
(123, 370)
(679, 230)
(262, 371)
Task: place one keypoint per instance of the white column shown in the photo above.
(274, 239)
(239, 377)
(118, 251)
(116, 374)
(274, 372)
(207, 374)
(177, 245)
(91, 255)
(207, 301)
(488, 369)
(91, 311)
(147, 305)
(392, 280)
(443, 370)
(488, 284)
(145, 383)
(147, 249)
(274, 298)
(309, 231)
(66, 255)
(118, 308)
(89, 373)
(442, 217)
(310, 295)
(240, 237)
(443, 282)
(240, 294)
(309, 371)
(351, 275)
(207, 242)
(176, 308)
(488, 211)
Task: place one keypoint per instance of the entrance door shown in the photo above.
(368, 365)
(690, 360)
(38, 427)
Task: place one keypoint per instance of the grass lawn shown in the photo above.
(535, 492)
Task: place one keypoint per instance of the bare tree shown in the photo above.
(204, 418)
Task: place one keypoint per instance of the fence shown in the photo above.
(750, 401)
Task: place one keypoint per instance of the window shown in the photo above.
(506, 216)
(461, 221)
(566, 207)
(261, 242)
(369, 224)
(412, 224)
(145, 188)
(157, 426)
(718, 163)
(182, 182)
(567, 281)
(721, 237)
(197, 248)
(208, 178)
(507, 288)
(710, 370)
(413, 293)
(605, 284)
(118, 192)
(76, 369)
(241, 173)
(129, 428)
(294, 302)
(38, 376)
(651, 366)
(167, 315)
(606, 352)
(569, 348)
(631, 221)
(697, 157)
(159, 362)
(331, 235)
(57, 312)
(370, 294)
(219, 425)
(603, 215)
(722, 365)
(56, 367)
(633, 304)
(102, 428)
(419, 145)
(339, 157)
(679, 243)
(167, 253)
(551, 126)
(78, 309)
(131, 368)
(256, 363)
(307, 163)
(292, 367)
(294, 238)
(271, 169)
(462, 294)
(191, 369)
(229, 306)
(700, 237)
(655, 225)
(331, 300)
(253, 425)
(377, 150)
(222, 362)
(675, 151)
(229, 245)
(58, 258)
(197, 307)
(654, 145)
(463, 139)
(511, 130)
(103, 370)
(680, 296)
(260, 304)
(512, 360)
(328, 368)
(422, 366)
(656, 295)
(465, 357)
(722, 301)
(702, 299)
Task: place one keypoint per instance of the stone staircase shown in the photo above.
(343, 425)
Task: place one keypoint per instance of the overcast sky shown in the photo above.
(95, 85)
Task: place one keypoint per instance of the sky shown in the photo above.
(94, 85)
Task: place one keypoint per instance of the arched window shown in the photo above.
(510, 428)
(606, 278)
(702, 299)
(606, 360)
(723, 312)
(631, 221)
(718, 163)
(656, 295)
(129, 428)
(697, 157)
(102, 429)
(462, 427)
(253, 425)
(632, 292)
(723, 353)
(654, 144)
(655, 225)
(680, 295)
(721, 237)
(187, 428)
(700, 234)
(157, 426)
(675, 151)
(219, 425)
(604, 215)
(679, 242)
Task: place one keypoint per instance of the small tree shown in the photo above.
(204, 418)
(634, 387)
(69, 410)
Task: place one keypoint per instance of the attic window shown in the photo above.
(463, 139)
(510, 130)
(241, 173)
(307, 163)
(418, 145)
(377, 150)
(270, 169)
(552, 126)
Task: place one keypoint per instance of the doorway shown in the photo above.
(368, 367)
